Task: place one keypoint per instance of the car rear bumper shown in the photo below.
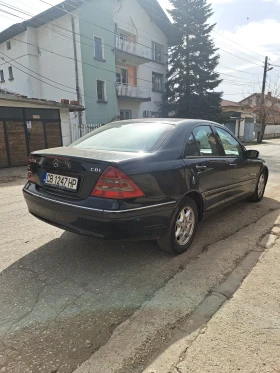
(133, 224)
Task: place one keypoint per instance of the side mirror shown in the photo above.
(252, 154)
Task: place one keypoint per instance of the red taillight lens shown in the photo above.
(115, 184)
(31, 177)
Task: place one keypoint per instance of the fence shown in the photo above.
(272, 131)
(79, 131)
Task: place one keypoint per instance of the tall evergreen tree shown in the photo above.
(192, 77)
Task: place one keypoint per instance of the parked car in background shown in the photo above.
(143, 179)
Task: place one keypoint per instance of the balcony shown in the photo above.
(132, 93)
(127, 50)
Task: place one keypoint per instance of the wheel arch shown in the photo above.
(265, 169)
(199, 201)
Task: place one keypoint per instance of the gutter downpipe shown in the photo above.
(79, 98)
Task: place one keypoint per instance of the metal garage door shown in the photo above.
(249, 127)
(231, 126)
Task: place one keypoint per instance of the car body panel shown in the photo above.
(165, 176)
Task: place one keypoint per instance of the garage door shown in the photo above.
(53, 134)
(17, 143)
(36, 137)
(3, 151)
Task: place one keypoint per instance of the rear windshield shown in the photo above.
(126, 137)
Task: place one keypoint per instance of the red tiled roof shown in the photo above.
(229, 103)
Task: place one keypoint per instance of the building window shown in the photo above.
(157, 52)
(98, 48)
(122, 76)
(101, 93)
(9, 45)
(11, 75)
(2, 79)
(125, 114)
(157, 82)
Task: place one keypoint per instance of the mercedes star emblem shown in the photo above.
(55, 163)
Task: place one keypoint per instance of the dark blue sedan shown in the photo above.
(143, 179)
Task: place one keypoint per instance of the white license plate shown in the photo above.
(60, 181)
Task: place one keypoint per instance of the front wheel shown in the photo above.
(182, 228)
(260, 188)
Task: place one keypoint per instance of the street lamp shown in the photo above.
(239, 122)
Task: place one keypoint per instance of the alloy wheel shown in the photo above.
(261, 185)
(185, 225)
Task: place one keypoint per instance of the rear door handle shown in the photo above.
(200, 168)
(233, 165)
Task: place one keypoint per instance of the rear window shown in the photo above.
(131, 137)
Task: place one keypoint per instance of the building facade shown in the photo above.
(238, 120)
(109, 55)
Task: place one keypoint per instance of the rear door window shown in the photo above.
(205, 141)
(192, 147)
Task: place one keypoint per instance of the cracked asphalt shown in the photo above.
(62, 295)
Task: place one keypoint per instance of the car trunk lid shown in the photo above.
(75, 170)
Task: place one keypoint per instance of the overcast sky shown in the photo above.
(253, 24)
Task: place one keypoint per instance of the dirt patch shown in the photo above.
(13, 175)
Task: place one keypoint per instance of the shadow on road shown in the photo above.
(62, 302)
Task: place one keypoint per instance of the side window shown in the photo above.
(191, 147)
(205, 141)
(230, 144)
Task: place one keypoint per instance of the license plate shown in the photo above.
(60, 181)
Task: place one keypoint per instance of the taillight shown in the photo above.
(115, 184)
(31, 177)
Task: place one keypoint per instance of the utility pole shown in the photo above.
(263, 116)
(79, 97)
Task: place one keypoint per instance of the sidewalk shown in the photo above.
(243, 336)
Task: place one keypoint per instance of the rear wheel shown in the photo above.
(260, 188)
(182, 228)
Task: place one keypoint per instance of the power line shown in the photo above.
(97, 67)
(70, 31)
(235, 83)
(219, 48)
(61, 89)
(212, 31)
(224, 45)
(86, 20)
(237, 43)
(243, 72)
(53, 81)
(114, 32)
(122, 21)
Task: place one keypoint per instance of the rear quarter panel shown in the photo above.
(162, 178)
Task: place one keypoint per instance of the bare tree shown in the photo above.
(269, 113)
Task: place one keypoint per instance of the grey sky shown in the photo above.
(252, 24)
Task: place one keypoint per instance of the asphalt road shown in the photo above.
(62, 295)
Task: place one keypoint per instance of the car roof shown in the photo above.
(174, 121)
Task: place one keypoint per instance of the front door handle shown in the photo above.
(200, 168)
(233, 165)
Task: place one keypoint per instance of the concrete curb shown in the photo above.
(175, 311)
(189, 330)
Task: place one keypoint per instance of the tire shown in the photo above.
(257, 196)
(175, 241)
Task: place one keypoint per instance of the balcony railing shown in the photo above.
(133, 92)
(132, 47)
